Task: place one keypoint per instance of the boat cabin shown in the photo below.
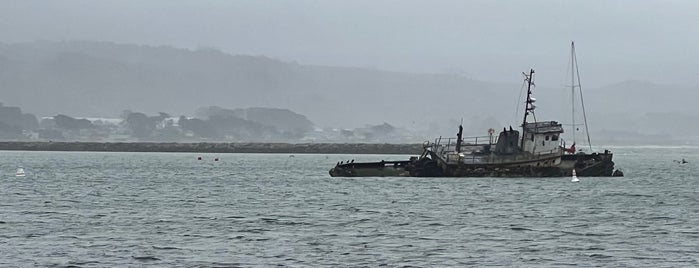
(541, 137)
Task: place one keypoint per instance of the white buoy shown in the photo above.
(575, 177)
(20, 172)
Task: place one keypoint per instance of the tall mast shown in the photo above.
(529, 103)
(572, 85)
(574, 71)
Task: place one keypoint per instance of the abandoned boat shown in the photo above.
(538, 151)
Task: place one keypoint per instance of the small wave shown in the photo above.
(225, 264)
(70, 201)
(165, 248)
(371, 235)
(254, 230)
(586, 234)
(80, 263)
(559, 264)
(145, 258)
(629, 195)
(600, 256)
(204, 218)
(43, 213)
(661, 218)
(646, 258)
(348, 223)
(656, 232)
(31, 235)
(594, 248)
(292, 223)
(68, 236)
(200, 235)
(358, 244)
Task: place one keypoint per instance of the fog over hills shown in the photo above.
(420, 66)
(101, 79)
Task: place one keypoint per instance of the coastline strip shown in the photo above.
(217, 147)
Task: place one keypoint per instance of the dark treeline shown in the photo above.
(297, 148)
(211, 123)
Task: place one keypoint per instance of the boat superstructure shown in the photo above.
(537, 151)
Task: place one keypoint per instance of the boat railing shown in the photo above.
(485, 158)
(443, 145)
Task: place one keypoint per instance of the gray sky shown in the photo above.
(656, 41)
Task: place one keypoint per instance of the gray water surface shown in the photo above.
(83, 209)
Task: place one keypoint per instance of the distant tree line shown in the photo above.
(212, 124)
(14, 124)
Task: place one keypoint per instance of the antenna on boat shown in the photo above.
(573, 72)
(529, 103)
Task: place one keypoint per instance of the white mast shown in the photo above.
(572, 85)
(573, 72)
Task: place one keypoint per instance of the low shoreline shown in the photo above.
(281, 148)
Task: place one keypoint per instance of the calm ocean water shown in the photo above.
(83, 209)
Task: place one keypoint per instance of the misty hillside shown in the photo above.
(99, 79)
(102, 79)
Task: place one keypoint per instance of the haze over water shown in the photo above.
(171, 210)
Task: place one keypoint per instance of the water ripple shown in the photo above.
(170, 210)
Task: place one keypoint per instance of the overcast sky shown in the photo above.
(656, 41)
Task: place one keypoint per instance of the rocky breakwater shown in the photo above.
(290, 148)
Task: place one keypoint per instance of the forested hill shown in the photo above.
(103, 79)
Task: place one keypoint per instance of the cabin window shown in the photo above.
(547, 137)
(554, 137)
(532, 137)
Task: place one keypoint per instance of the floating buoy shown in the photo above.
(216, 159)
(575, 177)
(20, 172)
(199, 158)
